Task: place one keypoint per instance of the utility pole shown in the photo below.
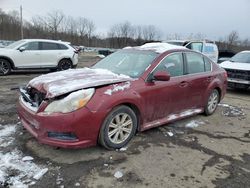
(21, 16)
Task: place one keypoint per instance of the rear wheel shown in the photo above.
(5, 67)
(212, 102)
(65, 64)
(118, 128)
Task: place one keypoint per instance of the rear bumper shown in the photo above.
(83, 123)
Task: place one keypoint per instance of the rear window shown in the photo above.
(195, 63)
(62, 47)
(49, 46)
(208, 64)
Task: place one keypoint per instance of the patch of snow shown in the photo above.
(14, 161)
(223, 105)
(118, 174)
(170, 133)
(194, 124)
(40, 174)
(117, 87)
(231, 111)
(77, 184)
(123, 149)
(159, 47)
(184, 114)
(5, 134)
(59, 179)
(27, 158)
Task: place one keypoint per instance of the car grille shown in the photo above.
(238, 74)
(32, 96)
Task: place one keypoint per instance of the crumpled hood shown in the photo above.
(59, 83)
(235, 65)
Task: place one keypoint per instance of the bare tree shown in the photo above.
(54, 20)
(90, 28)
(151, 33)
(233, 38)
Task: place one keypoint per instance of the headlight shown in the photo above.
(72, 102)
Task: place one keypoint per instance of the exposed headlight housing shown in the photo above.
(72, 102)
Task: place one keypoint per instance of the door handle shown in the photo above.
(183, 84)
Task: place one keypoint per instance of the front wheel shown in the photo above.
(118, 128)
(65, 64)
(212, 102)
(5, 67)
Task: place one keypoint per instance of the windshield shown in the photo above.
(243, 57)
(15, 44)
(128, 62)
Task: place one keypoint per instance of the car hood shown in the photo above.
(59, 83)
(235, 65)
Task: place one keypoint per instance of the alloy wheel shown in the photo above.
(4, 67)
(120, 128)
(213, 101)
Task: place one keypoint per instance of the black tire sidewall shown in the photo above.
(9, 67)
(104, 139)
(207, 112)
(63, 61)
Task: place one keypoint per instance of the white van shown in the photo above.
(206, 47)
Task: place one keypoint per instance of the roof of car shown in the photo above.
(47, 40)
(158, 47)
(245, 51)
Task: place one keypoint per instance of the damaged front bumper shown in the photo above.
(77, 129)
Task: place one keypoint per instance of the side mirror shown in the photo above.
(21, 49)
(161, 76)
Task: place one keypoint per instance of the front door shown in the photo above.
(29, 57)
(163, 98)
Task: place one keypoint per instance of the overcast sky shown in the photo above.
(213, 18)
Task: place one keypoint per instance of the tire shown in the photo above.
(212, 102)
(118, 128)
(65, 64)
(5, 67)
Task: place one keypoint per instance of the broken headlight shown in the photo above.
(72, 102)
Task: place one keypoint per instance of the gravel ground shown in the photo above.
(199, 151)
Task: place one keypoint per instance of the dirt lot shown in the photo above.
(199, 151)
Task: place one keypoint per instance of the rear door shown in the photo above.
(198, 74)
(50, 53)
(162, 98)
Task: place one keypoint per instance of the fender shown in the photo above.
(10, 60)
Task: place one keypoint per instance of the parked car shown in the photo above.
(133, 89)
(238, 70)
(36, 54)
(225, 55)
(208, 48)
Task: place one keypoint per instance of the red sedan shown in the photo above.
(131, 90)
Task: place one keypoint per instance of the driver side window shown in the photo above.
(173, 64)
(31, 46)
